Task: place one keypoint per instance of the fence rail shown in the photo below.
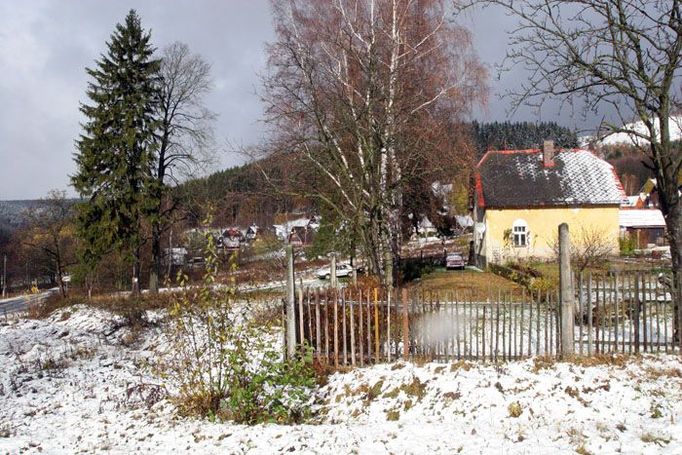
(624, 313)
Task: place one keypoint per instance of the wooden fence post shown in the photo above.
(406, 327)
(376, 325)
(290, 307)
(566, 296)
(301, 331)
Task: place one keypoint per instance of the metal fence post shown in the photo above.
(566, 296)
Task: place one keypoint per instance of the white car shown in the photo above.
(342, 270)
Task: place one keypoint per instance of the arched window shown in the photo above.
(520, 233)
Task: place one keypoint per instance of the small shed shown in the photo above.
(646, 226)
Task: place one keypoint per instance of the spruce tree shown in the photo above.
(117, 147)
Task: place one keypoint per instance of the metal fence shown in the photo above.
(625, 313)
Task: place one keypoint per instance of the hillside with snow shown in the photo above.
(674, 123)
(78, 382)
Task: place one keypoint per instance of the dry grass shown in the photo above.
(655, 373)
(392, 415)
(652, 438)
(617, 360)
(461, 365)
(52, 303)
(467, 284)
(515, 409)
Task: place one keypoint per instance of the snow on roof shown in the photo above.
(282, 230)
(441, 189)
(632, 201)
(641, 218)
(518, 178)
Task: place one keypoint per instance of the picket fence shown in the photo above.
(615, 313)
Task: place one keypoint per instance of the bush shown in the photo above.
(223, 365)
(412, 270)
(627, 245)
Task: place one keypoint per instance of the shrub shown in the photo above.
(627, 244)
(222, 365)
(515, 409)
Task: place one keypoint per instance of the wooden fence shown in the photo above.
(627, 313)
(349, 328)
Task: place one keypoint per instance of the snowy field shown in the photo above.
(77, 383)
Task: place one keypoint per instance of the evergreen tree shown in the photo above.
(520, 135)
(117, 147)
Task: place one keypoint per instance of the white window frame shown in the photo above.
(520, 234)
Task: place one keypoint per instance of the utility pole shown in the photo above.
(4, 275)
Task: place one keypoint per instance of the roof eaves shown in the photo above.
(566, 205)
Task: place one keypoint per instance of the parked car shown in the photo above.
(454, 261)
(342, 270)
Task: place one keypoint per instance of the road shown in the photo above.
(21, 303)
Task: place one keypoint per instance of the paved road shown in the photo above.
(21, 303)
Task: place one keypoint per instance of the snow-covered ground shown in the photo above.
(77, 382)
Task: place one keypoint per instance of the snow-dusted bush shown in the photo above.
(221, 364)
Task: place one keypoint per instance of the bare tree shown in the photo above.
(590, 247)
(50, 233)
(622, 54)
(369, 94)
(185, 134)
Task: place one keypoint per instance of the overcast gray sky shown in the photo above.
(45, 46)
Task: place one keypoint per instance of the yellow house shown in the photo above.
(522, 196)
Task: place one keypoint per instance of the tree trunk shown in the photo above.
(155, 270)
(135, 289)
(674, 224)
(60, 267)
(60, 279)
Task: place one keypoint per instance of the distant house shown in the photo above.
(252, 233)
(521, 196)
(231, 239)
(426, 228)
(301, 236)
(298, 232)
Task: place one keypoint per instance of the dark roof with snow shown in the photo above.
(518, 178)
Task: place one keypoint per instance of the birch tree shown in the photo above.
(370, 93)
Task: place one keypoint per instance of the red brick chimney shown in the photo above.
(548, 153)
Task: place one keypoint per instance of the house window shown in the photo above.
(520, 233)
